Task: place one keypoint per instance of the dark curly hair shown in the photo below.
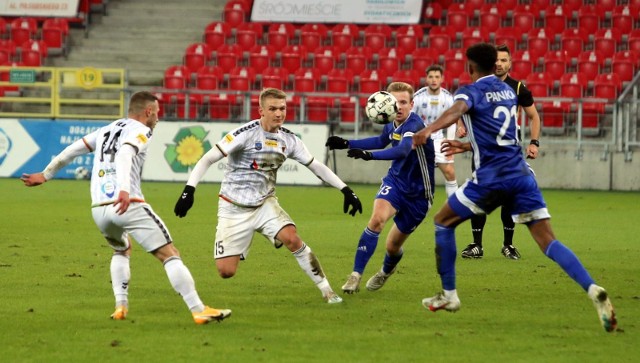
(484, 55)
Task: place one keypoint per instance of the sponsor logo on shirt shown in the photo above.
(396, 136)
(228, 137)
(271, 143)
(143, 139)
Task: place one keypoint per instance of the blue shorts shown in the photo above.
(519, 195)
(410, 211)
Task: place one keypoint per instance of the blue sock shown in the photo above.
(570, 263)
(366, 247)
(446, 256)
(390, 262)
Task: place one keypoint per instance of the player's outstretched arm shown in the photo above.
(67, 155)
(328, 176)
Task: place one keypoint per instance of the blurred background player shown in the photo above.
(406, 192)
(430, 102)
(501, 176)
(247, 200)
(118, 206)
(525, 102)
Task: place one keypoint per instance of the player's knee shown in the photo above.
(226, 273)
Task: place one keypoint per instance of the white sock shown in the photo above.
(449, 294)
(450, 186)
(310, 264)
(183, 283)
(120, 276)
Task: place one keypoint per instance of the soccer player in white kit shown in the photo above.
(118, 206)
(247, 201)
(429, 103)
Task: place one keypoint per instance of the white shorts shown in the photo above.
(139, 222)
(236, 225)
(440, 158)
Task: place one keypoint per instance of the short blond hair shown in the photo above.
(272, 93)
(401, 87)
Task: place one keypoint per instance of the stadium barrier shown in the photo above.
(48, 92)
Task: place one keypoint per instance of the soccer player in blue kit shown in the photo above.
(406, 193)
(500, 177)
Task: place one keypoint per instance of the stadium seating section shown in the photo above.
(573, 49)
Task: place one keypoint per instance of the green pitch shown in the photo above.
(56, 292)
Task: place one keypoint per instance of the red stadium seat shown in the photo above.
(228, 56)
(573, 41)
(54, 33)
(457, 20)
(33, 53)
(440, 42)
(23, 29)
(357, 59)
(555, 63)
(280, 34)
(8, 46)
(197, 55)
(306, 80)
(247, 36)
(389, 60)
(511, 36)
(343, 35)
(491, 16)
(606, 41)
(216, 33)
(371, 81)
(245, 5)
(406, 35)
(260, 57)
(607, 86)
(242, 79)
(589, 18)
(624, 64)
(325, 58)
(472, 36)
(422, 58)
(339, 80)
(521, 64)
(524, 17)
(623, 16)
(555, 19)
(633, 41)
(552, 117)
(234, 16)
(572, 85)
(455, 62)
(538, 43)
(292, 57)
(317, 109)
(275, 77)
(590, 63)
(540, 84)
(313, 35)
(432, 12)
(409, 76)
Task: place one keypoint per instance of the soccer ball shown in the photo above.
(81, 173)
(381, 108)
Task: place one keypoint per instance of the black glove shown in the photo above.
(185, 202)
(359, 154)
(336, 142)
(351, 199)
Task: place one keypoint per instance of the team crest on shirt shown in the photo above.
(258, 145)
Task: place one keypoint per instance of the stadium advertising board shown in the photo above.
(338, 11)
(27, 146)
(177, 146)
(46, 8)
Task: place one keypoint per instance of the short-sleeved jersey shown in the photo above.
(429, 107)
(105, 143)
(254, 157)
(525, 98)
(412, 174)
(491, 126)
